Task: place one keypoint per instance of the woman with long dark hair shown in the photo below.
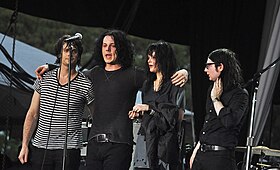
(161, 111)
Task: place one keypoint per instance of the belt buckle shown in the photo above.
(202, 148)
(101, 138)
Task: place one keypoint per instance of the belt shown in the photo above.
(205, 148)
(100, 138)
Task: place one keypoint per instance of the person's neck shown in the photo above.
(159, 76)
(158, 81)
(64, 71)
(112, 67)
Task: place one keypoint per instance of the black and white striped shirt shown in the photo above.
(50, 133)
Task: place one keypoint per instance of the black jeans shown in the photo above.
(54, 159)
(108, 156)
(214, 160)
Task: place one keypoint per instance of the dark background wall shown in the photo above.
(203, 25)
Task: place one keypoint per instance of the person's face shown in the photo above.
(152, 63)
(65, 55)
(212, 72)
(109, 50)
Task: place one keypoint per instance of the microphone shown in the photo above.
(77, 36)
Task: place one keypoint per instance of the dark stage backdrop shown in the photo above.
(236, 25)
(203, 25)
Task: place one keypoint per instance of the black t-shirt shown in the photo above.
(115, 94)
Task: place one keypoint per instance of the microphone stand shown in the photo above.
(250, 138)
(69, 45)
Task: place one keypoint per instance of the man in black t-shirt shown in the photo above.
(116, 83)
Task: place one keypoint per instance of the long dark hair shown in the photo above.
(231, 75)
(165, 60)
(125, 50)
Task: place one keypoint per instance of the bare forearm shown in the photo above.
(194, 154)
(91, 107)
(197, 147)
(30, 124)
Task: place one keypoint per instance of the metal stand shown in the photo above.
(69, 45)
(250, 137)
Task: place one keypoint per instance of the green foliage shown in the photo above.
(43, 33)
(11, 146)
